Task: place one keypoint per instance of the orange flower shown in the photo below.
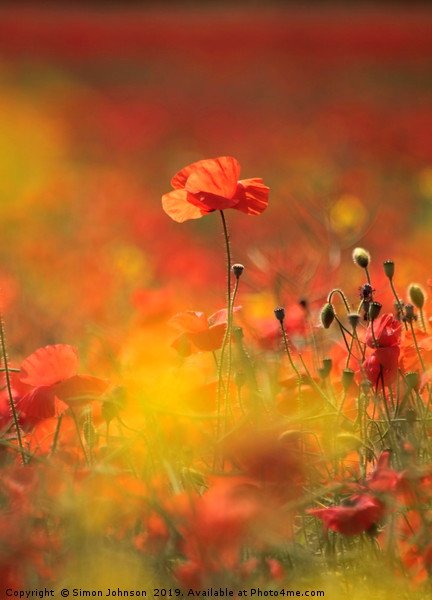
(213, 184)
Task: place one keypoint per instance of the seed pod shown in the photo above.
(279, 312)
(412, 380)
(410, 416)
(347, 378)
(240, 378)
(353, 319)
(324, 371)
(409, 314)
(237, 269)
(389, 268)
(374, 310)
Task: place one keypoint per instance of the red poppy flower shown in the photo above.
(382, 363)
(213, 184)
(357, 516)
(53, 373)
(199, 333)
(387, 331)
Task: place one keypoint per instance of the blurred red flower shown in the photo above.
(52, 371)
(213, 184)
(199, 333)
(359, 514)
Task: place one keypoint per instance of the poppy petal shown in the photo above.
(221, 316)
(41, 403)
(189, 321)
(80, 389)
(252, 196)
(50, 365)
(180, 178)
(217, 176)
(176, 206)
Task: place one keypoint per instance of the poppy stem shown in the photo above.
(77, 427)
(9, 389)
(56, 434)
(227, 336)
(416, 347)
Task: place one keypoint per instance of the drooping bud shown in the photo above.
(353, 319)
(416, 295)
(389, 268)
(374, 310)
(361, 257)
(279, 312)
(347, 378)
(412, 380)
(237, 269)
(327, 315)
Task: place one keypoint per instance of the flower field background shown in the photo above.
(159, 429)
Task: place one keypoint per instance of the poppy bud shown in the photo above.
(389, 268)
(279, 312)
(240, 378)
(409, 313)
(353, 319)
(327, 315)
(374, 310)
(347, 378)
(361, 257)
(412, 380)
(416, 295)
(237, 269)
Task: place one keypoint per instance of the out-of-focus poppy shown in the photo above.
(52, 371)
(359, 514)
(200, 333)
(213, 184)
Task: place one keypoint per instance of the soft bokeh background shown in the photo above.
(101, 104)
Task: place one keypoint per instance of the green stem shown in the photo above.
(422, 320)
(341, 294)
(77, 427)
(416, 346)
(227, 335)
(9, 389)
(56, 434)
(398, 302)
